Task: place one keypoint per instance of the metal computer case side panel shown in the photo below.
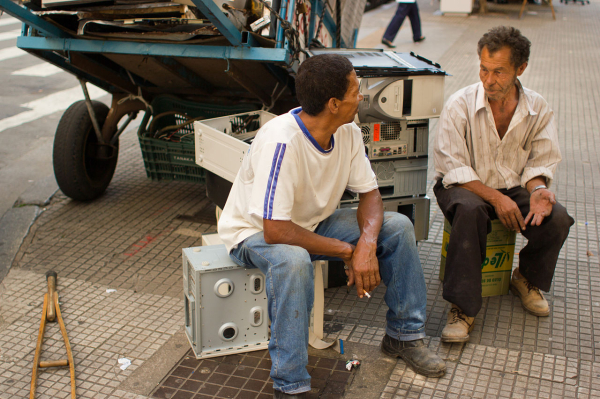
(215, 311)
(218, 152)
(427, 96)
(233, 312)
(219, 145)
(191, 308)
(402, 177)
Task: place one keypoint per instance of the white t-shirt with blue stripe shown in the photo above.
(286, 175)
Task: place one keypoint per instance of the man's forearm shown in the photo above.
(488, 194)
(370, 216)
(288, 232)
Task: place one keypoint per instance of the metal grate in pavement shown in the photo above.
(246, 376)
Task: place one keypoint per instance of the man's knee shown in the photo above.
(297, 257)
(295, 262)
(471, 207)
(397, 224)
(560, 220)
(461, 203)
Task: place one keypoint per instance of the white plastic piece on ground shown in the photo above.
(124, 363)
(318, 343)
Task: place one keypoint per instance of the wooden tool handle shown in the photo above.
(51, 278)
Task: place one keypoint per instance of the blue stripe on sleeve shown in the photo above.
(274, 185)
(270, 181)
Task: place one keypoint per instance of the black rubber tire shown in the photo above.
(80, 175)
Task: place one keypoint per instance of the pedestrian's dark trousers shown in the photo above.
(470, 217)
(404, 9)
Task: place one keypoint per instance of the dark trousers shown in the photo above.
(404, 9)
(470, 217)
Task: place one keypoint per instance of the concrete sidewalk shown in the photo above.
(130, 241)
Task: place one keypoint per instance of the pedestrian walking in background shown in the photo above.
(405, 8)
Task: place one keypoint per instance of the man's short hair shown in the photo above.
(320, 78)
(502, 36)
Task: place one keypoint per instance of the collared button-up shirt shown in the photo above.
(467, 146)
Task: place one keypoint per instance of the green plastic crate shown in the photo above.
(169, 160)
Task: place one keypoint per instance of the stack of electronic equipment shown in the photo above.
(402, 91)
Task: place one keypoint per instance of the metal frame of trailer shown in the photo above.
(237, 69)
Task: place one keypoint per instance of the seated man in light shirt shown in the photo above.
(496, 152)
(282, 214)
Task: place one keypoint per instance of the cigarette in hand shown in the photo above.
(367, 294)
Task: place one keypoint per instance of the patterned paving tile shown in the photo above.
(131, 241)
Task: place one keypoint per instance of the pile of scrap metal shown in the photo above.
(177, 20)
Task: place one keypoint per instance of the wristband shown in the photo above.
(538, 188)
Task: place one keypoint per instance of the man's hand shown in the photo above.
(540, 206)
(506, 209)
(508, 212)
(363, 268)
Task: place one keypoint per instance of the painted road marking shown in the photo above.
(11, 52)
(44, 106)
(41, 70)
(7, 20)
(11, 34)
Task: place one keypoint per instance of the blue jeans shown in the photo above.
(404, 9)
(290, 289)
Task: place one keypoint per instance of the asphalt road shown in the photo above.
(33, 97)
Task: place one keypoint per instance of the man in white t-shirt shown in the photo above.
(281, 215)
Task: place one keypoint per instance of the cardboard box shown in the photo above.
(497, 266)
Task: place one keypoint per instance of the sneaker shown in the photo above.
(532, 299)
(458, 326)
(387, 43)
(419, 39)
(280, 395)
(418, 357)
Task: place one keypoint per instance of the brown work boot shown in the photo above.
(532, 299)
(458, 326)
